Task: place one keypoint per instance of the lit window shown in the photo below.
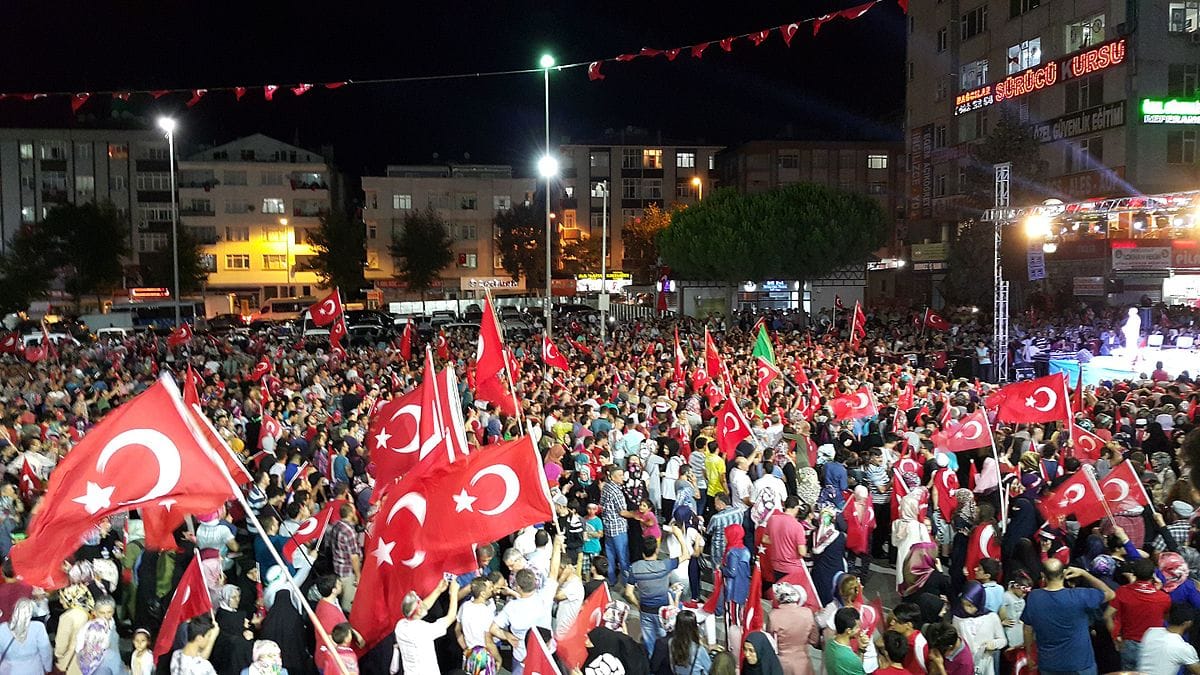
(275, 234)
(685, 160)
(275, 261)
(468, 260)
(401, 201)
(1024, 55)
(598, 160)
(503, 202)
(27, 150)
(877, 161)
(27, 214)
(1183, 17)
(1084, 33)
(712, 162)
(652, 158)
(54, 150)
(273, 205)
(974, 74)
(237, 233)
(85, 183)
(237, 261)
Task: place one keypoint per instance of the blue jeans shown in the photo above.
(651, 629)
(616, 549)
(1130, 651)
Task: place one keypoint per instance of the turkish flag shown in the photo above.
(324, 311)
(578, 346)
(945, 482)
(491, 383)
(699, 379)
(191, 396)
(1079, 495)
(313, 528)
(442, 429)
(984, 543)
(972, 432)
(732, 428)
(934, 321)
(225, 453)
(443, 346)
(10, 344)
(337, 331)
(572, 647)
(855, 405)
(269, 427)
(393, 435)
(1042, 400)
(1086, 444)
(752, 618)
(552, 357)
(905, 400)
(189, 601)
(1123, 489)
(712, 358)
(148, 453)
(35, 353)
(260, 369)
(406, 341)
(479, 499)
(537, 655)
(767, 372)
(180, 336)
(31, 485)
(837, 302)
(678, 374)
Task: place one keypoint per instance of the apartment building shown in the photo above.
(251, 203)
(41, 168)
(640, 171)
(468, 196)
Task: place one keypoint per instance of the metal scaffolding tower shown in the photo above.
(1000, 286)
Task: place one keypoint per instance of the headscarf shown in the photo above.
(1103, 566)
(18, 621)
(94, 640)
(808, 486)
(768, 662)
(81, 572)
(827, 531)
(77, 596)
(910, 508)
(610, 647)
(973, 593)
(268, 658)
(225, 597)
(735, 537)
(966, 505)
(918, 567)
(789, 594)
(1175, 570)
(684, 517)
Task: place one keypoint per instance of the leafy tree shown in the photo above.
(89, 242)
(422, 249)
(25, 269)
(340, 252)
(795, 232)
(158, 269)
(641, 244)
(520, 236)
(581, 255)
(1009, 141)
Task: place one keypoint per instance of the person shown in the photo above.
(686, 650)
(610, 651)
(284, 626)
(347, 552)
(980, 628)
(840, 655)
(925, 584)
(192, 659)
(414, 636)
(758, 656)
(892, 649)
(613, 511)
(859, 515)
(1137, 607)
(593, 533)
(267, 659)
(1012, 607)
(904, 620)
(141, 660)
(948, 652)
(1165, 651)
(687, 575)
(531, 609)
(234, 643)
(24, 645)
(570, 598)
(342, 636)
(910, 528)
(651, 577)
(723, 663)
(1057, 619)
(475, 619)
(829, 547)
(727, 513)
(76, 599)
(794, 627)
(735, 574)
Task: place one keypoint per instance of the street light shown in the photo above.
(601, 190)
(699, 187)
(287, 258)
(548, 168)
(167, 124)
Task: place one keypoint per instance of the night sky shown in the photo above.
(845, 83)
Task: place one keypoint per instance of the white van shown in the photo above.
(283, 309)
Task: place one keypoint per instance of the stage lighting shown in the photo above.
(1037, 226)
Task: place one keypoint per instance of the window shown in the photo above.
(683, 190)
(85, 183)
(275, 261)
(116, 183)
(372, 259)
(372, 230)
(1182, 79)
(652, 158)
(26, 150)
(712, 162)
(973, 22)
(156, 152)
(441, 201)
(877, 187)
(942, 39)
(154, 181)
(630, 215)
(151, 242)
(271, 178)
(468, 202)
(275, 234)
(501, 202)
(153, 213)
(27, 214)
(1019, 7)
(237, 261)
(685, 160)
(1084, 92)
(116, 151)
(248, 155)
(939, 185)
(54, 150)
(199, 206)
(1183, 16)
(1084, 33)
(83, 152)
(789, 159)
(569, 191)
(372, 200)
(651, 188)
(939, 136)
(28, 182)
(468, 260)
(939, 93)
(468, 232)
(877, 161)
(1181, 149)
(1084, 155)
(631, 158)
(233, 178)
(54, 180)
(238, 206)
(598, 160)
(973, 75)
(273, 205)
(1024, 55)
(629, 188)
(402, 202)
(237, 233)
(981, 123)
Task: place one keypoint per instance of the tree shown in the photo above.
(580, 256)
(795, 232)
(339, 252)
(88, 241)
(1010, 141)
(422, 249)
(641, 246)
(25, 270)
(158, 267)
(520, 235)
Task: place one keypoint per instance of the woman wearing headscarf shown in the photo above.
(635, 491)
(910, 528)
(77, 600)
(95, 653)
(859, 514)
(609, 651)
(287, 628)
(979, 628)
(758, 656)
(808, 486)
(268, 660)
(735, 574)
(963, 522)
(24, 645)
(924, 581)
(848, 592)
(1177, 581)
(829, 552)
(794, 628)
(232, 649)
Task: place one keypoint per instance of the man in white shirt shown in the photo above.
(414, 636)
(570, 600)
(1165, 650)
(739, 483)
(531, 609)
(475, 619)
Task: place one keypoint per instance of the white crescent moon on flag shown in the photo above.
(512, 486)
(307, 527)
(328, 306)
(1124, 487)
(414, 411)
(863, 401)
(731, 421)
(946, 479)
(415, 504)
(971, 424)
(170, 464)
(985, 538)
(1051, 399)
(187, 593)
(1087, 442)
(1073, 494)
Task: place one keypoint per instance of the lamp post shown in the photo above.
(287, 258)
(167, 124)
(548, 168)
(699, 188)
(601, 190)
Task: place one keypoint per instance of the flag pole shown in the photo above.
(1103, 502)
(1002, 486)
(329, 644)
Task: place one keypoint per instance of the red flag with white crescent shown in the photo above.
(1087, 446)
(325, 310)
(393, 435)
(313, 528)
(180, 336)
(732, 428)
(854, 405)
(945, 482)
(1044, 399)
(31, 485)
(443, 346)
(572, 646)
(1123, 489)
(260, 369)
(984, 543)
(269, 427)
(1078, 495)
(972, 432)
(406, 341)
(189, 601)
(538, 660)
(551, 356)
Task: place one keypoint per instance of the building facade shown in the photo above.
(1096, 81)
(251, 204)
(468, 196)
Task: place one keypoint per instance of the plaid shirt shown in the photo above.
(612, 503)
(345, 544)
(1179, 531)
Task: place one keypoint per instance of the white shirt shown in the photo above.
(568, 607)
(739, 486)
(518, 616)
(1164, 652)
(475, 619)
(669, 476)
(414, 640)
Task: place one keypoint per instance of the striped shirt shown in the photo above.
(696, 462)
(731, 515)
(878, 477)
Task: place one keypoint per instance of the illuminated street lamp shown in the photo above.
(167, 124)
(548, 168)
(699, 184)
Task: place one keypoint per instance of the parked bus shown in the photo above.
(159, 315)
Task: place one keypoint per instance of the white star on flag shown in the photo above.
(1029, 402)
(381, 438)
(383, 552)
(463, 502)
(96, 499)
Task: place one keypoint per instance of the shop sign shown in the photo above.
(929, 252)
(1141, 258)
(1185, 255)
(1088, 184)
(1089, 286)
(1092, 120)
(493, 283)
(1174, 111)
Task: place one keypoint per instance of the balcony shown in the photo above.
(206, 185)
(309, 212)
(196, 211)
(308, 181)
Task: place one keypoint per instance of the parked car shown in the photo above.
(35, 339)
(113, 333)
(224, 323)
(473, 314)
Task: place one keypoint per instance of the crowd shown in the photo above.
(694, 544)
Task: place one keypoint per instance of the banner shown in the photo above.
(1088, 121)
(1145, 258)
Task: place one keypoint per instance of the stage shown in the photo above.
(1118, 367)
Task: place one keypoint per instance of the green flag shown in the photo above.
(762, 345)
